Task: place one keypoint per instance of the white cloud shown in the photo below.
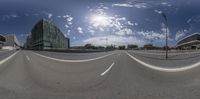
(69, 18)
(137, 5)
(26, 14)
(68, 32)
(151, 35)
(194, 19)
(130, 23)
(158, 11)
(66, 26)
(80, 30)
(90, 30)
(74, 37)
(9, 16)
(111, 24)
(114, 40)
(124, 32)
(180, 34)
(141, 5)
(164, 3)
(65, 35)
(50, 15)
(99, 9)
(122, 5)
(14, 15)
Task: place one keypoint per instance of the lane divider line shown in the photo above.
(7, 58)
(28, 58)
(84, 60)
(107, 70)
(178, 69)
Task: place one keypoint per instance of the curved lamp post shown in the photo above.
(166, 35)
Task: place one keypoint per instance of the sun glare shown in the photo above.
(100, 20)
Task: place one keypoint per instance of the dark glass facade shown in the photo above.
(45, 35)
(2, 40)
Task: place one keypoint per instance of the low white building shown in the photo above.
(11, 42)
(189, 42)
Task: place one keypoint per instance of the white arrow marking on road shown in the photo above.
(108, 69)
(28, 58)
(164, 69)
(6, 59)
(62, 60)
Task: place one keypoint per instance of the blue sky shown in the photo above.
(122, 22)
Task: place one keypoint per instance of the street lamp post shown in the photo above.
(166, 35)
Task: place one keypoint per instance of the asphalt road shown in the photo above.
(116, 76)
(5, 53)
(174, 59)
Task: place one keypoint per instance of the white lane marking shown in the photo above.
(28, 58)
(102, 74)
(178, 69)
(7, 58)
(151, 53)
(62, 60)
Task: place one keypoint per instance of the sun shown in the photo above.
(100, 20)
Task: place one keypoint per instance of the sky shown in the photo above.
(117, 22)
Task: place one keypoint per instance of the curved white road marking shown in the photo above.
(151, 53)
(178, 69)
(62, 60)
(7, 58)
(102, 74)
(28, 58)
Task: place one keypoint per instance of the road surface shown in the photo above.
(112, 75)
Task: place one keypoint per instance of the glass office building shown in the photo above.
(45, 35)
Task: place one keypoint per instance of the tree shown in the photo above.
(110, 47)
(89, 46)
(132, 46)
(100, 47)
(122, 47)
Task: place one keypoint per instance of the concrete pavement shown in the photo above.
(29, 76)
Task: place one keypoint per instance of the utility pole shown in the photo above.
(106, 39)
(166, 38)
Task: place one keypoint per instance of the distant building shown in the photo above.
(11, 42)
(189, 42)
(45, 35)
(2, 40)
